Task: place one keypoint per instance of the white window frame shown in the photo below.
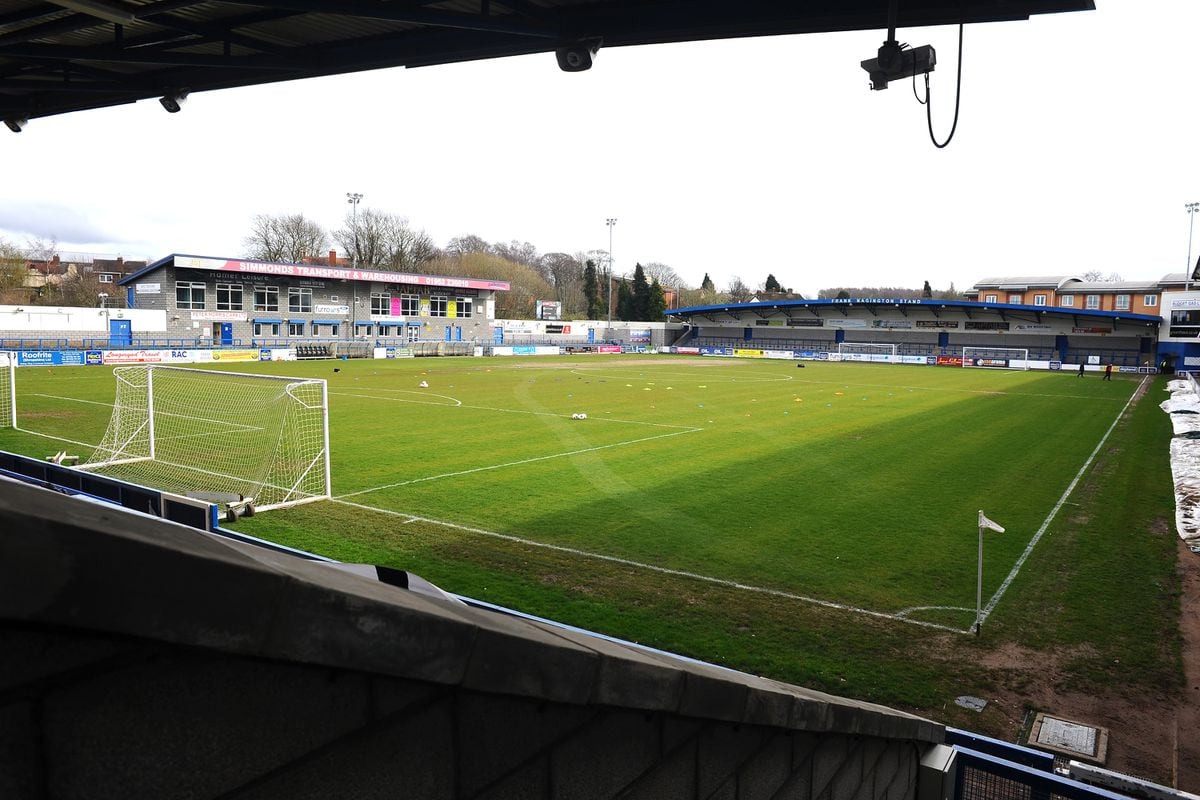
(1092, 302)
(410, 305)
(1015, 299)
(465, 306)
(1150, 301)
(258, 328)
(1067, 301)
(412, 333)
(230, 289)
(1039, 299)
(104, 277)
(270, 298)
(191, 303)
(295, 328)
(437, 305)
(1122, 302)
(300, 300)
(381, 303)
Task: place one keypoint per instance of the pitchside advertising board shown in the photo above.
(74, 358)
(57, 358)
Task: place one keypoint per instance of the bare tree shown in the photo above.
(288, 238)
(566, 275)
(43, 250)
(665, 275)
(384, 241)
(461, 245)
(738, 291)
(13, 272)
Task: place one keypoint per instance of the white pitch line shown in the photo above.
(1054, 511)
(654, 568)
(517, 463)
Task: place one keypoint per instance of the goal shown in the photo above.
(867, 351)
(996, 357)
(8, 390)
(224, 436)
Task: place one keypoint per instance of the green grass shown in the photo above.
(854, 484)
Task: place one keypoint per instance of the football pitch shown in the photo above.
(852, 487)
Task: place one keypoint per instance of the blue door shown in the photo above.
(458, 333)
(120, 333)
(226, 334)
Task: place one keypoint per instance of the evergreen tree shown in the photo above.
(641, 295)
(591, 292)
(707, 286)
(772, 285)
(927, 291)
(624, 301)
(658, 302)
(843, 295)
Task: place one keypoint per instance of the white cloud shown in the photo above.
(1075, 150)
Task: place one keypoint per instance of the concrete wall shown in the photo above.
(142, 659)
(111, 717)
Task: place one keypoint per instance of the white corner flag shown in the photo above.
(984, 522)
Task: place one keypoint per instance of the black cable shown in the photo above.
(914, 88)
(957, 95)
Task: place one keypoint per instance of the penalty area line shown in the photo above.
(678, 573)
(995, 599)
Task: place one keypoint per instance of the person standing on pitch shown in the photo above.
(1108, 372)
(1080, 375)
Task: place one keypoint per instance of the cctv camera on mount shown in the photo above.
(578, 56)
(895, 63)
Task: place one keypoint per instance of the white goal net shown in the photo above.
(8, 390)
(867, 351)
(996, 357)
(213, 434)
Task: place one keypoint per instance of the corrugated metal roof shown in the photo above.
(55, 60)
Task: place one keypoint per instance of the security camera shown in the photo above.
(16, 125)
(894, 63)
(578, 56)
(173, 101)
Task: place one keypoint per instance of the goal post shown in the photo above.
(996, 357)
(867, 351)
(208, 432)
(8, 390)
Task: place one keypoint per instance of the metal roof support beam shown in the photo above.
(392, 12)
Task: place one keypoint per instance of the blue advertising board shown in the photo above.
(57, 358)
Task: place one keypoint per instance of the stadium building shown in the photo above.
(1059, 320)
(232, 301)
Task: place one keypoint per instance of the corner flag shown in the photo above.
(984, 522)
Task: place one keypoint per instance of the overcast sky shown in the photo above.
(1078, 145)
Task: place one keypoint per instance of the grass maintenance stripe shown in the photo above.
(1061, 502)
(409, 518)
(533, 460)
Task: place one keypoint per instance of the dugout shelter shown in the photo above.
(934, 329)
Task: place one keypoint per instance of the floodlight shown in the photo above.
(173, 101)
(16, 125)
